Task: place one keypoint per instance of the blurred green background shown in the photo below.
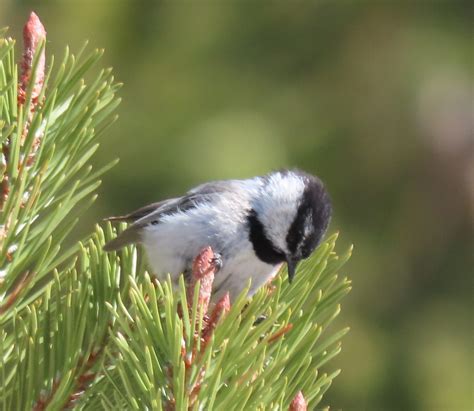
(375, 97)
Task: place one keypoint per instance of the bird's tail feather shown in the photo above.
(118, 218)
(129, 236)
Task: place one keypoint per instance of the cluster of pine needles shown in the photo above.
(83, 329)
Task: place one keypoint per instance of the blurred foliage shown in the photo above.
(373, 96)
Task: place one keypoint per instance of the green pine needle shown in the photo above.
(84, 329)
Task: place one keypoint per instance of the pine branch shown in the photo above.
(53, 327)
(84, 329)
(158, 358)
(42, 197)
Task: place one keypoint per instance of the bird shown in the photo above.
(253, 225)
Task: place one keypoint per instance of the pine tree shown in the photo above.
(83, 329)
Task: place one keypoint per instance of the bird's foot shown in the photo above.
(216, 262)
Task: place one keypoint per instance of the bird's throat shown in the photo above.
(262, 245)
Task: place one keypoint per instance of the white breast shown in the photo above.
(236, 272)
(172, 245)
(222, 224)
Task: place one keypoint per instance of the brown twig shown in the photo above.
(80, 385)
(83, 380)
(12, 297)
(280, 333)
(222, 307)
(44, 400)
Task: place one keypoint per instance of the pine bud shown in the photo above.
(203, 271)
(221, 308)
(298, 403)
(33, 34)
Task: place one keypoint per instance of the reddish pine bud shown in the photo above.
(203, 271)
(221, 308)
(298, 403)
(33, 34)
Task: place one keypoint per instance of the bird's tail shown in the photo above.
(118, 218)
(129, 236)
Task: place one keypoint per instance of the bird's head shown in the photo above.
(294, 210)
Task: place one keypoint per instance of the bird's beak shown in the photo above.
(291, 269)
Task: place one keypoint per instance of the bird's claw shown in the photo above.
(216, 262)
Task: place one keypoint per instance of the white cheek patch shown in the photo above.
(278, 204)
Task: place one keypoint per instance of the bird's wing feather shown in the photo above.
(141, 212)
(152, 213)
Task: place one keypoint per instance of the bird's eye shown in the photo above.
(306, 250)
(305, 253)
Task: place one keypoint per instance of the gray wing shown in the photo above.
(141, 212)
(151, 214)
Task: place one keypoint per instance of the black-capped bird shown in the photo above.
(254, 225)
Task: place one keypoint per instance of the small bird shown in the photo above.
(254, 226)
